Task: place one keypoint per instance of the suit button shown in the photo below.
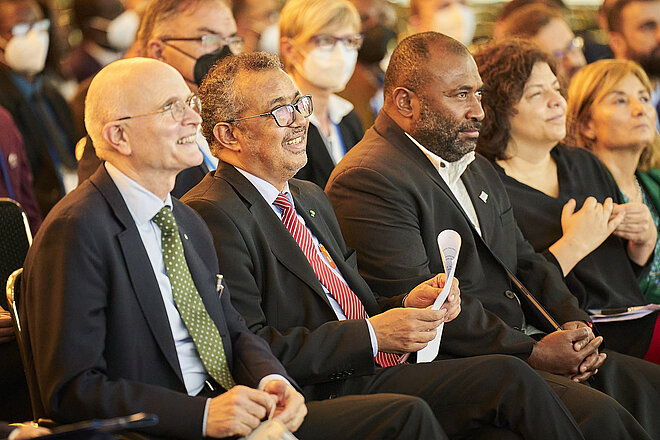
(509, 294)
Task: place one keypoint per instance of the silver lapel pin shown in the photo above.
(483, 196)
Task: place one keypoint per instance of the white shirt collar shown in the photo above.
(449, 171)
(142, 203)
(266, 189)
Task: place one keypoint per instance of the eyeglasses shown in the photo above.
(177, 109)
(212, 42)
(285, 115)
(327, 41)
(21, 29)
(575, 44)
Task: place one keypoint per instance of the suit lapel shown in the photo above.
(476, 187)
(282, 244)
(144, 282)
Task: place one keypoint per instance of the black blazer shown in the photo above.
(47, 187)
(391, 204)
(274, 286)
(319, 163)
(97, 323)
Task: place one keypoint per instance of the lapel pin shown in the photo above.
(185, 236)
(483, 196)
(219, 287)
(312, 212)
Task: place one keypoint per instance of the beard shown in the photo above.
(650, 62)
(440, 133)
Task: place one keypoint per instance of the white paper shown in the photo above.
(635, 313)
(449, 243)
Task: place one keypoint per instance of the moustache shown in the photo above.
(470, 126)
(294, 133)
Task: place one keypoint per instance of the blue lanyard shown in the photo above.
(340, 138)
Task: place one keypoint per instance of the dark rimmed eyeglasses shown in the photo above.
(177, 109)
(328, 42)
(285, 115)
(212, 42)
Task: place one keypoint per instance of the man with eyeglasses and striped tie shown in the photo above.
(296, 284)
(123, 306)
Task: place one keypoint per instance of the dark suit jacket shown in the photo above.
(47, 186)
(319, 163)
(392, 204)
(83, 65)
(185, 180)
(275, 287)
(96, 320)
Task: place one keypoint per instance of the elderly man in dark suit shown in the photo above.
(123, 309)
(413, 175)
(296, 284)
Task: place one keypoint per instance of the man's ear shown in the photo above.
(223, 132)
(155, 49)
(406, 102)
(116, 138)
(618, 44)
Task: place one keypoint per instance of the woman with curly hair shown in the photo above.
(565, 201)
(610, 114)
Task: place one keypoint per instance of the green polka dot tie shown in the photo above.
(203, 330)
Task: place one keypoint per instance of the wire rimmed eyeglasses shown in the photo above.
(285, 115)
(176, 108)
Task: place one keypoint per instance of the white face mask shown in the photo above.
(457, 21)
(120, 31)
(27, 53)
(332, 69)
(269, 40)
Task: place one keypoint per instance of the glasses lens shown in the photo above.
(325, 42)
(178, 109)
(211, 42)
(284, 115)
(354, 42)
(235, 44)
(304, 106)
(195, 103)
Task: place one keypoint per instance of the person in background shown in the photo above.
(610, 114)
(189, 35)
(319, 42)
(256, 21)
(108, 30)
(39, 111)
(15, 175)
(454, 18)
(564, 200)
(634, 34)
(365, 88)
(545, 26)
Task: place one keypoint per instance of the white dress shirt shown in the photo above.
(451, 173)
(270, 193)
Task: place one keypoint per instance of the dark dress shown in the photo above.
(605, 278)
(319, 163)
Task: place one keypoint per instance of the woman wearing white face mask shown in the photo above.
(319, 41)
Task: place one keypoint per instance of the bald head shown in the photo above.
(116, 90)
(408, 65)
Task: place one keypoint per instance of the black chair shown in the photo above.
(14, 298)
(15, 239)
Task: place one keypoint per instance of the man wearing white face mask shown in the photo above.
(108, 31)
(319, 41)
(453, 18)
(39, 111)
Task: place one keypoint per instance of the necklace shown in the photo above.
(638, 193)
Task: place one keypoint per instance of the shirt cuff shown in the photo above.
(206, 415)
(372, 336)
(270, 377)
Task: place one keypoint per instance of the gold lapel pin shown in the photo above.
(312, 212)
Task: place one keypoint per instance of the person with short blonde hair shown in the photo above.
(319, 42)
(610, 113)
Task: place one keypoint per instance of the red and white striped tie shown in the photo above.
(347, 299)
